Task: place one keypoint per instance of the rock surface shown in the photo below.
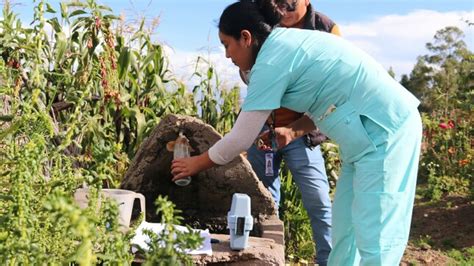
(260, 251)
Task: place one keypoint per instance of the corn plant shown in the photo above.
(75, 105)
(218, 107)
(229, 109)
(298, 233)
(76, 102)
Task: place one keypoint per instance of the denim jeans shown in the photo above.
(307, 168)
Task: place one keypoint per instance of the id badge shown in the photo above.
(269, 164)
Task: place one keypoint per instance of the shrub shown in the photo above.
(446, 164)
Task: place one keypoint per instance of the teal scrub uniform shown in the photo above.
(375, 121)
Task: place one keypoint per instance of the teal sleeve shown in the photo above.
(266, 88)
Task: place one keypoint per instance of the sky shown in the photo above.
(394, 32)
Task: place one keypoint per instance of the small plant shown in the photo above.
(464, 257)
(424, 242)
(169, 246)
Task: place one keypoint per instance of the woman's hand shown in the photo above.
(184, 167)
(282, 137)
(285, 135)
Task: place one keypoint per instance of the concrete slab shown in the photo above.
(260, 251)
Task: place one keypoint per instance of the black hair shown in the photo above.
(259, 17)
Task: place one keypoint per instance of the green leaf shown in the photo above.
(124, 61)
(103, 7)
(120, 41)
(6, 118)
(159, 81)
(61, 45)
(125, 96)
(55, 24)
(11, 130)
(3, 235)
(140, 117)
(134, 61)
(77, 13)
(63, 10)
(6, 197)
(49, 8)
(148, 58)
(210, 72)
(111, 17)
(76, 4)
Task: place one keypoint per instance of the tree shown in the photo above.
(419, 82)
(440, 79)
(443, 81)
(450, 58)
(391, 72)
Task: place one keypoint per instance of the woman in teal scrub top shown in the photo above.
(353, 100)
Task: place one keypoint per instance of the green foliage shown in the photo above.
(391, 72)
(40, 222)
(443, 81)
(443, 78)
(424, 242)
(463, 257)
(218, 107)
(229, 109)
(75, 104)
(206, 96)
(446, 163)
(168, 246)
(108, 89)
(299, 243)
(332, 162)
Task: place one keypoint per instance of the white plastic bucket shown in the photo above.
(124, 199)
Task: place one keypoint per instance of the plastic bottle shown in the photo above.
(181, 150)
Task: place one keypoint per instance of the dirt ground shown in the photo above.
(440, 227)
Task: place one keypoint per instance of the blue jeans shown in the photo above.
(307, 168)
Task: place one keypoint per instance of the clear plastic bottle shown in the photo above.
(181, 150)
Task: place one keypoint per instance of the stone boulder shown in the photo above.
(206, 201)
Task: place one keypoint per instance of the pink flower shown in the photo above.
(450, 124)
(443, 125)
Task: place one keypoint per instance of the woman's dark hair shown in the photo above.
(259, 17)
